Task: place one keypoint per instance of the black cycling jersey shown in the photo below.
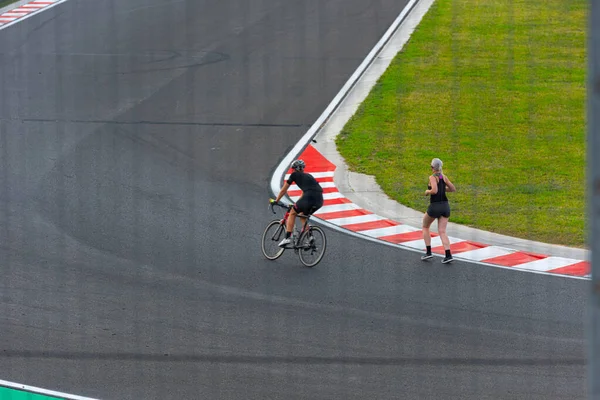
(441, 192)
(305, 182)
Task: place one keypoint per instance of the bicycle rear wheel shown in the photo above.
(312, 245)
(273, 234)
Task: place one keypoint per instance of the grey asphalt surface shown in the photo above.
(137, 139)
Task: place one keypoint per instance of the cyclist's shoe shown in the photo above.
(447, 260)
(426, 256)
(285, 242)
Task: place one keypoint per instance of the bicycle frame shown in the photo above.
(305, 225)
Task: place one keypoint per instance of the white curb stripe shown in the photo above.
(334, 195)
(323, 185)
(548, 263)
(337, 207)
(419, 244)
(485, 253)
(390, 230)
(355, 220)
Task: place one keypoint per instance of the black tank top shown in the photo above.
(441, 192)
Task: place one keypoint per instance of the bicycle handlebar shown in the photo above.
(277, 204)
(288, 207)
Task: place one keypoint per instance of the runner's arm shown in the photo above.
(451, 187)
(433, 184)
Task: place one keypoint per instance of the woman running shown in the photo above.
(439, 209)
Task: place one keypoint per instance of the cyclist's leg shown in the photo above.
(297, 208)
(312, 204)
(289, 225)
(303, 206)
(291, 219)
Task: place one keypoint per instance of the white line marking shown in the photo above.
(32, 389)
(390, 230)
(356, 220)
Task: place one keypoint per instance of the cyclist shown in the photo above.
(311, 200)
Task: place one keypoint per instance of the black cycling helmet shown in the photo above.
(298, 165)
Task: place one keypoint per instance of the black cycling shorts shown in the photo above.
(439, 209)
(309, 202)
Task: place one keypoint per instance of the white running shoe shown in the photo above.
(285, 241)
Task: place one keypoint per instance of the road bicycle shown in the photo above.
(309, 242)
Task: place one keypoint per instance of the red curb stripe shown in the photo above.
(459, 247)
(341, 200)
(325, 179)
(315, 161)
(320, 180)
(514, 259)
(343, 214)
(405, 237)
(363, 226)
(580, 269)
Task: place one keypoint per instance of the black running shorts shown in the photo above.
(439, 209)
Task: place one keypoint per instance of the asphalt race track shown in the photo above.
(137, 139)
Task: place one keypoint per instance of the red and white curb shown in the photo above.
(26, 10)
(342, 212)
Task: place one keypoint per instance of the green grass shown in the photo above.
(4, 3)
(496, 89)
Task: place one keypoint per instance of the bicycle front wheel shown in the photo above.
(312, 245)
(273, 234)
